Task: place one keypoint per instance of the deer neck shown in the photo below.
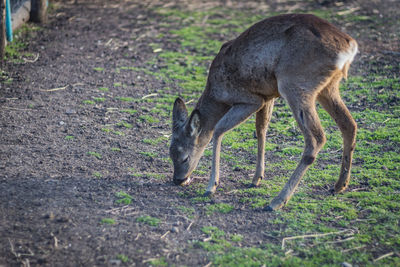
(211, 112)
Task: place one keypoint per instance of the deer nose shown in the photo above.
(179, 181)
(185, 181)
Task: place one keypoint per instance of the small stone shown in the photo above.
(175, 230)
(115, 262)
(70, 111)
(49, 216)
(346, 264)
(61, 123)
(62, 219)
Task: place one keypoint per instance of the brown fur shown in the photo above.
(301, 58)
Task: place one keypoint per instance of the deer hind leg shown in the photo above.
(237, 114)
(263, 117)
(303, 108)
(331, 101)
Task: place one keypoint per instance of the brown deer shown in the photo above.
(299, 57)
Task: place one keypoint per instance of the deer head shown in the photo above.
(185, 149)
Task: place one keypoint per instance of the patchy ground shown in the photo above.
(85, 177)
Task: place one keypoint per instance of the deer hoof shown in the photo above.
(208, 194)
(252, 185)
(186, 182)
(332, 191)
(256, 181)
(275, 204)
(339, 188)
(268, 208)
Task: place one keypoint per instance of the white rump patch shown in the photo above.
(347, 56)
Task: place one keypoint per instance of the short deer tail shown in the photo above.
(345, 58)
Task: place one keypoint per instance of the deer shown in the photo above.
(299, 57)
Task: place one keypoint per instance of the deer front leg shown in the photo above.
(237, 114)
(263, 117)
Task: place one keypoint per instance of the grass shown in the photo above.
(148, 154)
(124, 124)
(152, 221)
(149, 119)
(107, 221)
(69, 137)
(357, 227)
(16, 51)
(368, 210)
(99, 99)
(88, 102)
(97, 175)
(159, 262)
(94, 154)
(219, 207)
(123, 198)
(123, 258)
(130, 111)
(98, 69)
(187, 210)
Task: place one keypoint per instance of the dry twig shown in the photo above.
(20, 109)
(350, 249)
(32, 60)
(54, 89)
(12, 249)
(164, 235)
(190, 225)
(348, 11)
(383, 256)
(137, 237)
(149, 95)
(312, 236)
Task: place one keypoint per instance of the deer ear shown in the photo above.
(194, 127)
(179, 112)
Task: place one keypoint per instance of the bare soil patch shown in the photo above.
(64, 160)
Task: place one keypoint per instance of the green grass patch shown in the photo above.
(99, 69)
(69, 137)
(123, 198)
(94, 154)
(97, 175)
(99, 99)
(219, 207)
(187, 210)
(160, 262)
(123, 258)
(124, 124)
(88, 102)
(152, 221)
(148, 154)
(155, 141)
(149, 119)
(107, 221)
(126, 99)
(130, 111)
(370, 205)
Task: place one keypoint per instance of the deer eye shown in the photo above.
(185, 160)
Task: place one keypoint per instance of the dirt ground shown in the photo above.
(55, 191)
